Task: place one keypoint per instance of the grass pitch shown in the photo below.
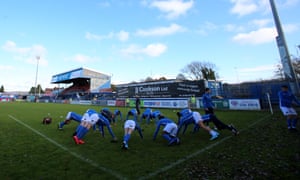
(31, 150)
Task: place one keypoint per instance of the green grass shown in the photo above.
(263, 150)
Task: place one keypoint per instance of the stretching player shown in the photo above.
(129, 127)
(146, 115)
(169, 131)
(107, 114)
(196, 118)
(156, 115)
(116, 114)
(70, 116)
(133, 113)
(89, 119)
(103, 121)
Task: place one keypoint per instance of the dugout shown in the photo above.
(82, 83)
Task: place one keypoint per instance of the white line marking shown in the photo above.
(171, 165)
(89, 161)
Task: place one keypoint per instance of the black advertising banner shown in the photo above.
(162, 90)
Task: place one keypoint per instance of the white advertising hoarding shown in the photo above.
(244, 104)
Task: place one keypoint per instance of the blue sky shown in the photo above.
(135, 39)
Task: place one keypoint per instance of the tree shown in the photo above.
(200, 70)
(180, 76)
(36, 90)
(162, 79)
(113, 87)
(279, 73)
(148, 79)
(2, 88)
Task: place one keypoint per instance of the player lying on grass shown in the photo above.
(169, 131)
(129, 127)
(89, 119)
(190, 117)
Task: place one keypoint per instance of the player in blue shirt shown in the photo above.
(146, 115)
(129, 127)
(133, 113)
(286, 99)
(70, 116)
(208, 104)
(190, 117)
(117, 113)
(107, 114)
(89, 118)
(185, 117)
(103, 121)
(156, 115)
(169, 131)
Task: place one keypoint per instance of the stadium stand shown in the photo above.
(84, 84)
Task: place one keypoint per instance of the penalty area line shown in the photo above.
(78, 156)
(179, 161)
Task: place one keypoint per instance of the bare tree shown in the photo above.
(162, 79)
(279, 73)
(200, 70)
(181, 76)
(148, 79)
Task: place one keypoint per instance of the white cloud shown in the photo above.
(289, 28)
(261, 68)
(261, 22)
(81, 58)
(11, 46)
(104, 4)
(246, 7)
(29, 55)
(288, 3)
(161, 31)
(263, 35)
(122, 36)
(243, 7)
(6, 68)
(91, 36)
(206, 28)
(152, 50)
(155, 49)
(234, 28)
(172, 8)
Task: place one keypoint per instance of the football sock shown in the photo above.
(212, 132)
(126, 138)
(68, 115)
(82, 132)
(110, 131)
(61, 124)
(78, 128)
(289, 123)
(294, 123)
(167, 137)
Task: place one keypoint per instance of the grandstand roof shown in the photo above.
(77, 74)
